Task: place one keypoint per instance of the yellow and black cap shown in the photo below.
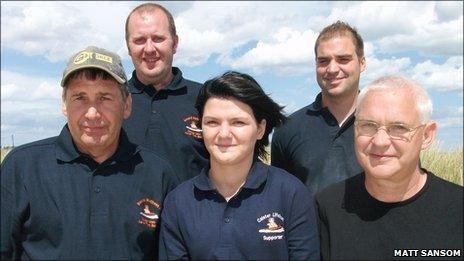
(95, 57)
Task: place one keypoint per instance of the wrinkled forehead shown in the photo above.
(388, 105)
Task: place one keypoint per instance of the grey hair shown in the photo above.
(423, 102)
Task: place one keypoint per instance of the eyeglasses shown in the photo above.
(396, 131)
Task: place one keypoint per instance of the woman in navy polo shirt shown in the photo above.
(238, 208)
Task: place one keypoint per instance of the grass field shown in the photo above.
(445, 164)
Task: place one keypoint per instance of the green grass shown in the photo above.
(445, 164)
(5, 151)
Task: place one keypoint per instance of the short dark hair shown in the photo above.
(340, 28)
(244, 88)
(148, 8)
(93, 74)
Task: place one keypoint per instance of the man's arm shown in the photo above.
(323, 231)
(302, 235)
(14, 205)
(278, 155)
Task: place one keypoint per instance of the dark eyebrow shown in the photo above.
(78, 94)
(345, 56)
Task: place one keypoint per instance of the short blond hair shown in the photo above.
(422, 100)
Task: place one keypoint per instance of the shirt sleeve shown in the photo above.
(302, 236)
(278, 155)
(170, 180)
(172, 246)
(14, 208)
(323, 232)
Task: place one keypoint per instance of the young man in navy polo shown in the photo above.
(316, 143)
(163, 117)
(88, 193)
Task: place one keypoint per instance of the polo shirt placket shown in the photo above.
(313, 147)
(158, 122)
(64, 205)
(197, 222)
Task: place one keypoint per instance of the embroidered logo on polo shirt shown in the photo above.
(271, 223)
(149, 213)
(193, 127)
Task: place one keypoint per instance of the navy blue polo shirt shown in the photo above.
(272, 217)
(60, 204)
(167, 122)
(312, 146)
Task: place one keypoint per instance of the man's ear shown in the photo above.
(63, 108)
(128, 106)
(362, 63)
(430, 131)
(175, 44)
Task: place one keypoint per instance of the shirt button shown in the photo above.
(97, 189)
(227, 219)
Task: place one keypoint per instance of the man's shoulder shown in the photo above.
(183, 192)
(281, 177)
(152, 158)
(192, 84)
(445, 190)
(192, 88)
(336, 192)
(300, 113)
(30, 151)
(294, 121)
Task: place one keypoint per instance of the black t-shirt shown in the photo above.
(354, 225)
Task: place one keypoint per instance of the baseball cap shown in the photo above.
(95, 57)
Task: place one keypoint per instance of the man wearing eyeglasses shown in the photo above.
(395, 208)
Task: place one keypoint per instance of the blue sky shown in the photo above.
(272, 41)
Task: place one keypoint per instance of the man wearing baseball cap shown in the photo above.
(88, 193)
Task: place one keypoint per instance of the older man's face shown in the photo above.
(95, 110)
(384, 157)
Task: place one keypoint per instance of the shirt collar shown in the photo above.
(257, 176)
(316, 106)
(66, 150)
(136, 86)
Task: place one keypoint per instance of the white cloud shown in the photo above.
(30, 107)
(445, 77)
(432, 28)
(448, 10)
(376, 68)
(18, 87)
(287, 53)
(449, 117)
(57, 29)
(450, 122)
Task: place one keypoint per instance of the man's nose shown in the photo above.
(92, 113)
(333, 67)
(381, 137)
(149, 46)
